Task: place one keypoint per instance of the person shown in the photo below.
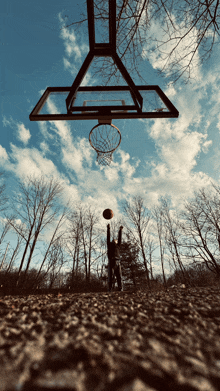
(114, 266)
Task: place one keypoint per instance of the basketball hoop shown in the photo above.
(104, 139)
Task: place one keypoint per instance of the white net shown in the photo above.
(104, 159)
(105, 138)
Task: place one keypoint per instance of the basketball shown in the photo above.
(108, 214)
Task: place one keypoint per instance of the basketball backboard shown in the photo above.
(102, 103)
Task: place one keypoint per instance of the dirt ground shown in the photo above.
(121, 341)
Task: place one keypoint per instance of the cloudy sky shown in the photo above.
(163, 157)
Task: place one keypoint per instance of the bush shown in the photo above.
(78, 283)
(195, 275)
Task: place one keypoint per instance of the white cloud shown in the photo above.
(4, 159)
(71, 46)
(29, 161)
(86, 150)
(111, 173)
(180, 144)
(44, 147)
(3, 155)
(126, 166)
(63, 130)
(75, 152)
(71, 192)
(77, 156)
(6, 121)
(206, 145)
(67, 64)
(70, 42)
(180, 155)
(23, 134)
(170, 91)
(175, 175)
(70, 67)
(72, 158)
(88, 80)
(170, 49)
(102, 198)
(77, 49)
(43, 126)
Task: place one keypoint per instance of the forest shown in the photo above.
(50, 244)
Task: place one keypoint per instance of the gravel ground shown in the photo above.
(121, 341)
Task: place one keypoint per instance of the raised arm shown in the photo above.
(108, 234)
(119, 235)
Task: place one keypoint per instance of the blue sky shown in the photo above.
(171, 157)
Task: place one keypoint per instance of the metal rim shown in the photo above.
(101, 124)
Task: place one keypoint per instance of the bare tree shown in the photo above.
(3, 196)
(158, 218)
(58, 234)
(151, 246)
(55, 263)
(89, 238)
(83, 243)
(139, 217)
(172, 236)
(173, 31)
(74, 242)
(202, 230)
(4, 256)
(35, 206)
(6, 227)
(15, 253)
(101, 270)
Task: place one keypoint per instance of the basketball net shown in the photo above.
(104, 159)
(104, 139)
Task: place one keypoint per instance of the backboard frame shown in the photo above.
(103, 49)
(103, 112)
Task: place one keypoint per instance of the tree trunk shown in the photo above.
(24, 254)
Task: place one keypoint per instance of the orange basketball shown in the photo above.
(108, 214)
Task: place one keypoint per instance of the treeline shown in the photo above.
(60, 245)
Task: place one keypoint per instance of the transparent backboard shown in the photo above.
(102, 103)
